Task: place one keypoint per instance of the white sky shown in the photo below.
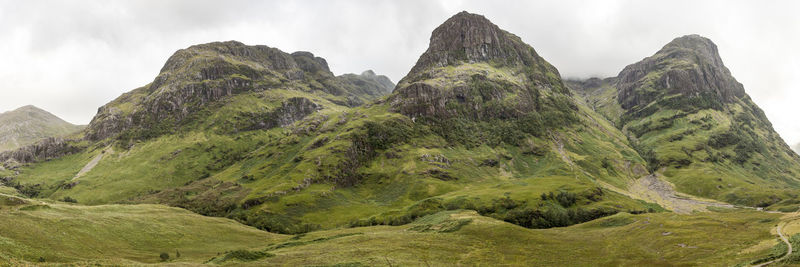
(71, 57)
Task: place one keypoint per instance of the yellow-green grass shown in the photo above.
(662, 239)
(124, 234)
(8, 190)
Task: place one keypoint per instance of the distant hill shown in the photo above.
(26, 125)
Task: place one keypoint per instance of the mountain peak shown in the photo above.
(28, 107)
(470, 66)
(693, 41)
(694, 45)
(470, 38)
(689, 65)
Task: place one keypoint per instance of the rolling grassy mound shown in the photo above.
(45, 231)
(466, 238)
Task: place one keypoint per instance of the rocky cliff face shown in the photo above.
(689, 66)
(474, 69)
(197, 76)
(29, 124)
(46, 149)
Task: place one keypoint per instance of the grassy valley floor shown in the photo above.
(32, 231)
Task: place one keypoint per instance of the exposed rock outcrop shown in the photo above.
(472, 38)
(689, 65)
(290, 111)
(474, 69)
(49, 148)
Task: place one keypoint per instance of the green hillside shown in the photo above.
(693, 123)
(28, 124)
(284, 149)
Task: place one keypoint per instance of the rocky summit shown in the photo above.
(689, 66)
(474, 73)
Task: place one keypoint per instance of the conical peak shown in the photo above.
(689, 65)
(476, 36)
(471, 38)
(693, 41)
(693, 45)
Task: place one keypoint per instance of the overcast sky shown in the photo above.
(71, 57)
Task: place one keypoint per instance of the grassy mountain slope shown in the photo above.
(693, 122)
(483, 126)
(28, 124)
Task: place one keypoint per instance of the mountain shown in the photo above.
(199, 76)
(28, 124)
(274, 140)
(797, 148)
(693, 122)
(479, 142)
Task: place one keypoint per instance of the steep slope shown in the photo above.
(481, 122)
(28, 124)
(694, 123)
